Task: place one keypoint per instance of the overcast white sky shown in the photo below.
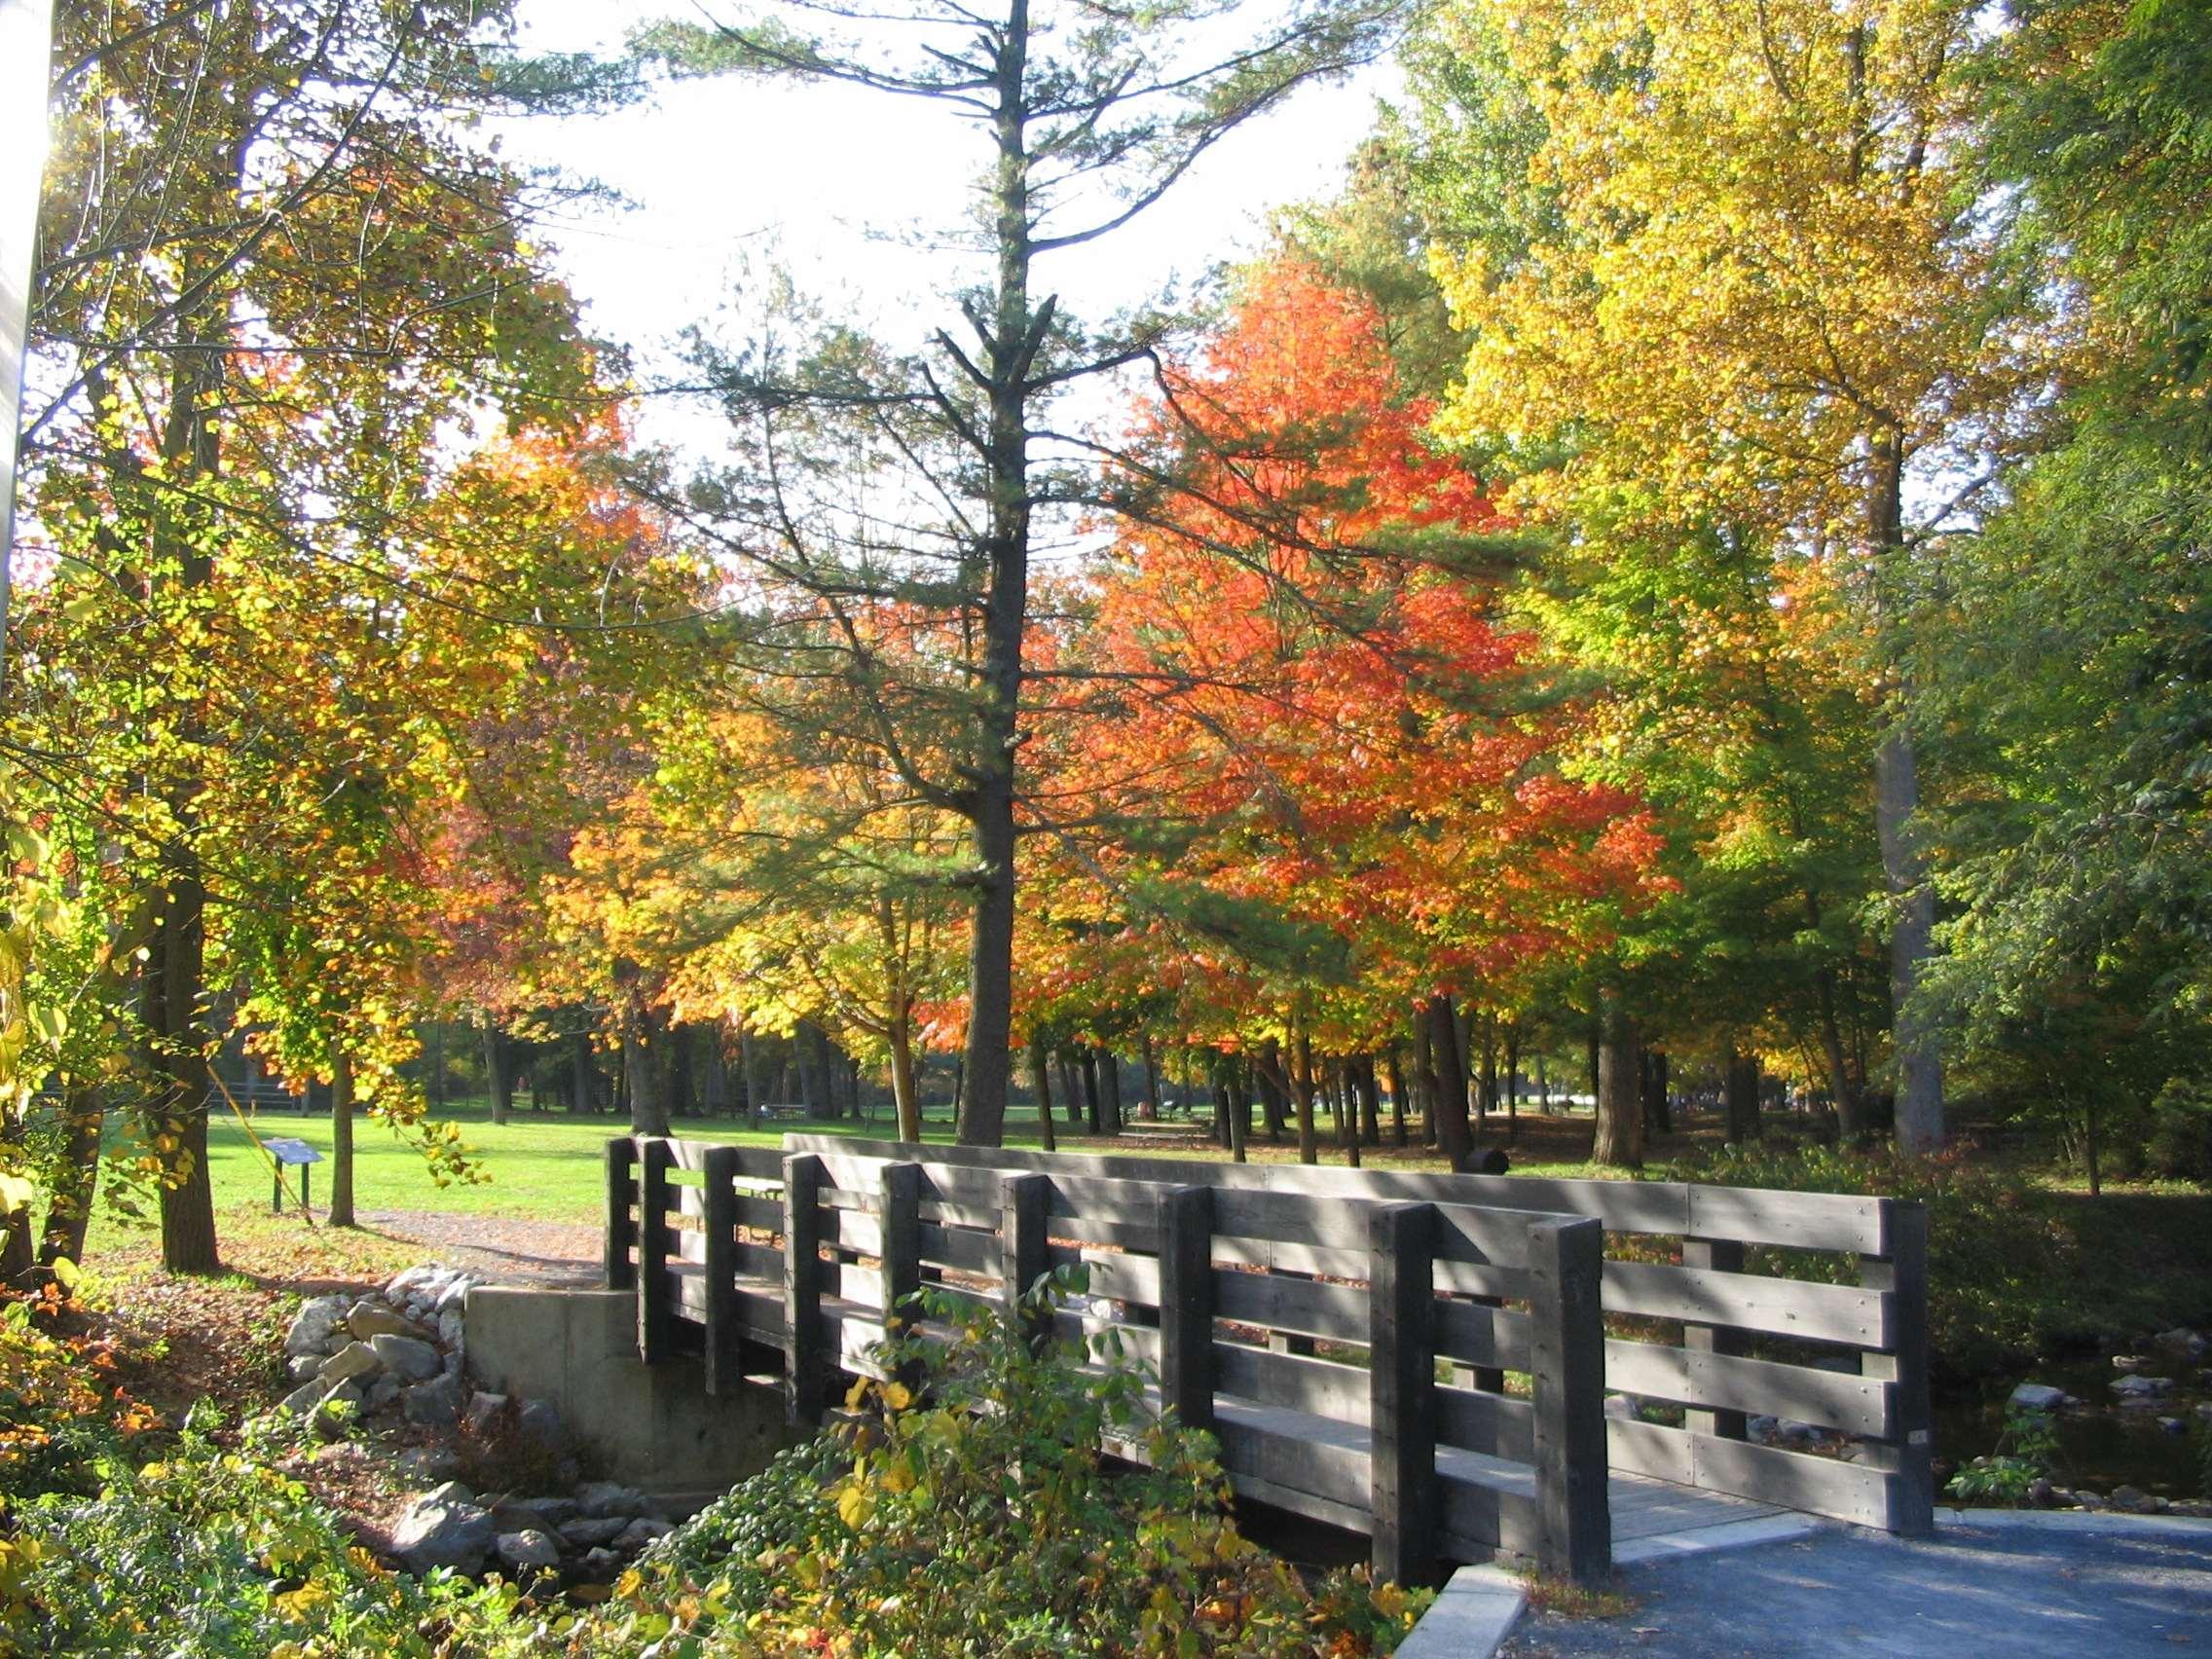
(727, 170)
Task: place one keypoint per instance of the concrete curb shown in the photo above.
(2078, 1521)
(1476, 1611)
(1729, 1535)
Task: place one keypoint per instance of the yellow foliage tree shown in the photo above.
(1765, 292)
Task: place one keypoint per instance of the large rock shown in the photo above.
(367, 1321)
(449, 1327)
(406, 1357)
(2140, 1387)
(302, 1366)
(430, 1462)
(305, 1398)
(444, 1528)
(529, 1551)
(640, 1533)
(606, 1498)
(331, 1425)
(397, 1287)
(586, 1532)
(435, 1403)
(313, 1324)
(2037, 1397)
(450, 1296)
(355, 1359)
(483, 1411)
(539, 1423)
(599, 1566)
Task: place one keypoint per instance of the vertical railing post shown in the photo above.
(654, 1158)
(1908, 1458)
(719, 1215)
(1401, 1307)
(1719, 1255)
(1185, 1304)
(901, 1251)
(1566, 1360)
(621, 1225)
(806, 1361)
(1023, 1256)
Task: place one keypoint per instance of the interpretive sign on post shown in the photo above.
(289, 1153)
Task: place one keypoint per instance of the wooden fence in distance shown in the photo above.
(1307, 1331)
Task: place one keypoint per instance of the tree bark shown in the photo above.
(1150, 1109)
(1041, 1085)
(1897, 800)
(69, 1210)
(1394, 1074)
(495, 1077)
(1267, 1074)
(341, 1139)
(905, 1086)
(1109, 1093)
(1449, 1105)
(1739, 1093)
(1302, 1097)
(1619, 1138)
(1087, 1069)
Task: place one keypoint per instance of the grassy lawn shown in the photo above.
(547, 1167)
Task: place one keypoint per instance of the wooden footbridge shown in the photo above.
(1423, 1358)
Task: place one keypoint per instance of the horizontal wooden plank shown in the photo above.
(976, 1217)
(1487, 1504)
(760, 1314)
(1805, 1221)
(756, 1261)
(1284, 1257)
(1847, 1402)
(1752, 1302)
(765, 1214)
(1483, 1335)
(1319, 1386)
(1118, 1274)
(848, 1229)
(1765, 1474)
(1097, 1230)
(1497, 1424)
(961, 1248)
(1110, 1341)
(1296, 1451)
(1275, 1302)
(1483, 1237)
(862, 1285)
(1291, 1218)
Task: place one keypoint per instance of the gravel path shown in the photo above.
(502, 1249)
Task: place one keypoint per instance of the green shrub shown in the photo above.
(2180, 1141)
(216, 1553)
(2023, 1456)
(1995, 1249)
(976, 1518)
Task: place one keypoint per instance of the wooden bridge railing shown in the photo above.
(1307, 1331)
(1695, 1329)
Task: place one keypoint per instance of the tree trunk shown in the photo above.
(1431, 1085)
(906, 1087)
(1619, 1138)
(1151, 1108)
(1302, 1097)
(1041, 1085)
(341, 1139)
(1513, 1081)
(1394, 1074)
(1487, 1099)
(1739, 1093)
(1110, 1091)
(580, 1073)
(1070, 1090)
(1454, 1138)
(1267, 1075)
(648, 1110)
(1228, 1081)
(69, 1211)
(745, 1058)
(1658, 1120)
(1897, 799)
(1370, 1100)
(1088, 1068)
(495, 1077)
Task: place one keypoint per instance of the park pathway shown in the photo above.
(499, 1249)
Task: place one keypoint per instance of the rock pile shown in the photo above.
(401, 1351)
(399, 1358)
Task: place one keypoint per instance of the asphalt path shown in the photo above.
(2058, 1586)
